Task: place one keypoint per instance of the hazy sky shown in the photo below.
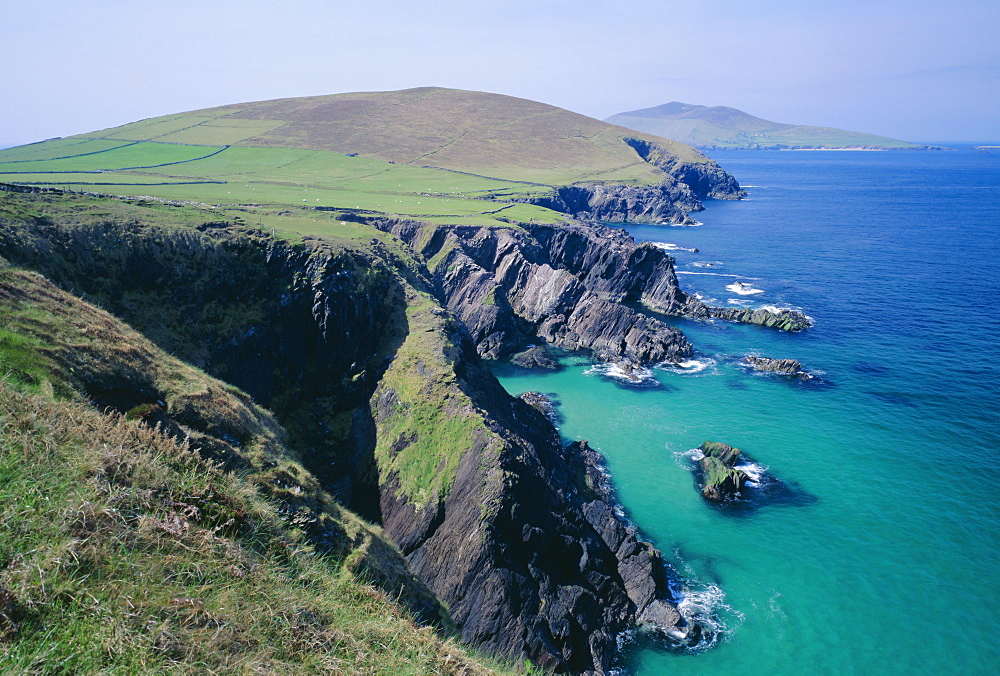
(910, 69)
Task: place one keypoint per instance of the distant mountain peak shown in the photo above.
(724, 127)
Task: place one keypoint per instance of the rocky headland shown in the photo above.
(405, 425)
(577, 286)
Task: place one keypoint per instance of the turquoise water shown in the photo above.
(883, 555)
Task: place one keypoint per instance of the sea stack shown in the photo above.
(721, 481)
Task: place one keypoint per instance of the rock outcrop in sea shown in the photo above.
(784, 319)
(721, 481)
(788, 367)
(535, 357)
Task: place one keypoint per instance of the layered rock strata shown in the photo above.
(573, 285)
(783, 318)
(577, 286)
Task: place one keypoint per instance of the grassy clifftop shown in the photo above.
(124, 552)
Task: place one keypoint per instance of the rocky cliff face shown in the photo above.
(684, 185)
(576, 286)
(527, 554)
(703, 179)
(667, 203)
(383, 394)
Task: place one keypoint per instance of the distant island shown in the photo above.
(725, 128)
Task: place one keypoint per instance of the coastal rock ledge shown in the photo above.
(577, 286)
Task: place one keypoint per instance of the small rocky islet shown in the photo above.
(720, 479)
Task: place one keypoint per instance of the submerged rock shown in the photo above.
(721, 481)
(632, 371)
(535, 357)
(789, 367)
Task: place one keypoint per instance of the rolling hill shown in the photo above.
(445, 155)
(725, 128)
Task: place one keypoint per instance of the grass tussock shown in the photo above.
(122, 550)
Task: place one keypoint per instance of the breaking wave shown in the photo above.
(713, 274)
(703, 606)
(689, 366)
(667, 246)
(743, 289)
(636, 376)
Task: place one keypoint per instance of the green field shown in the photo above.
(262, 179)
(440, 155)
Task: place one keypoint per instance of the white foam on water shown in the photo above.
(638, 374)
(667, 246)
(705, 605)
(774, 606)
(755, 473)
(739, 301)
(706, 264)
(712, 274)
(686, 459)
(686, 225)
(687, 367)
(743, 289)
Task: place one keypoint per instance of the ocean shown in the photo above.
(880, 554)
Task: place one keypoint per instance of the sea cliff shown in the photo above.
(381, 391)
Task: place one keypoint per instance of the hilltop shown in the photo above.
(725, 128)
(445, 155)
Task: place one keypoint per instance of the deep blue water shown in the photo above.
(883, 556)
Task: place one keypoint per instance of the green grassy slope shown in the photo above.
(723, 127)
(443, 155)
(124, 550)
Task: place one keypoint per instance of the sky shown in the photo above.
(910, 69)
